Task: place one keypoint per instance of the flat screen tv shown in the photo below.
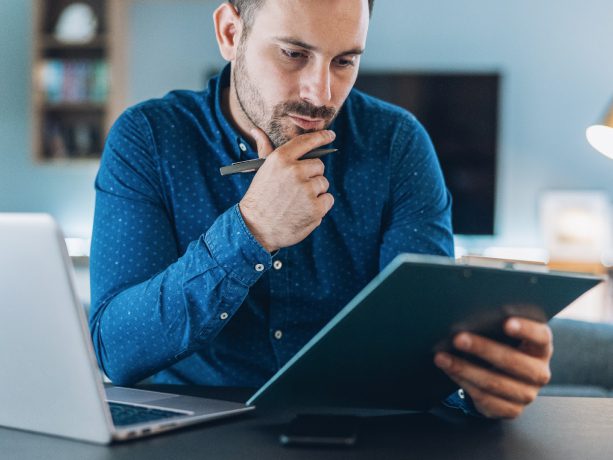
(460, 112)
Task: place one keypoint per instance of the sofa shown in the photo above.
(582, 363)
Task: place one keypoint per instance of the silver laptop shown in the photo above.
(50, 379)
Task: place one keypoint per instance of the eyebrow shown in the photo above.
(306, 46)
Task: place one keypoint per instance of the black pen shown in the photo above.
(254, 165)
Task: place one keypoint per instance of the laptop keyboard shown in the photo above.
(126, 414)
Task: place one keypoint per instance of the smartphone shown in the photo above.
(321, 430)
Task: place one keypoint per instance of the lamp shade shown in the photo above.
(601, 136)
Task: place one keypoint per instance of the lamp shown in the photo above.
(601, 136)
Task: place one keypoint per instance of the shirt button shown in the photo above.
(224, 315)
(259, 267)
(461, 393)
(242, 146)
(278, 334)
(277, 265)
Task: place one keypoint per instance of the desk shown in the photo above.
(551, 428)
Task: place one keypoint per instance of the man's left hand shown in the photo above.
(517, 374)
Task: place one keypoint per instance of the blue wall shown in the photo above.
(555, 57)
(170, 47)
(557, 79)
(64, 190)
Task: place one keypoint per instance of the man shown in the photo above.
(204, 279)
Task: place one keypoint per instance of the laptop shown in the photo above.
(51, 382)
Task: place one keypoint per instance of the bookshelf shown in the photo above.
(78, 85)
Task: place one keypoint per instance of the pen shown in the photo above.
(254, 165)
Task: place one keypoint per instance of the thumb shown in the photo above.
(264, 145)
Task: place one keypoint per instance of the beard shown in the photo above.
(274, 121)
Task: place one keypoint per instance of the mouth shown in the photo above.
(308, 123)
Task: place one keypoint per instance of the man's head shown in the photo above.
(294, 61)
(248, 8)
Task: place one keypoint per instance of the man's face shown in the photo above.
(297, 64)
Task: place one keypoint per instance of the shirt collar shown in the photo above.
(242, 148)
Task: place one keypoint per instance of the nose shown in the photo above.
(315, 84)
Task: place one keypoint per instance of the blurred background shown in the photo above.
(506, 90)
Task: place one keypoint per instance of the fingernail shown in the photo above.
(463, 342)
(513, 325)
(332, 134)
(442, 361)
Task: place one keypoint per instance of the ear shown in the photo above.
(228, 29)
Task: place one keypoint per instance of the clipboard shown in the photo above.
(377, 352)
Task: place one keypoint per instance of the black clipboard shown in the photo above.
(377, 352)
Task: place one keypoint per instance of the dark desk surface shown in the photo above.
(551, 428)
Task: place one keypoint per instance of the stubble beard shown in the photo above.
(254, 107)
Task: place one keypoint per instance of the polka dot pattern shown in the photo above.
(181, 290)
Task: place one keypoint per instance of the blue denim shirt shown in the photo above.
(183, 292)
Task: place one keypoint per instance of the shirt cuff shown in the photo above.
(461, 400)
(235, 249)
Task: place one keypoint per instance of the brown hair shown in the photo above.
(247, 9)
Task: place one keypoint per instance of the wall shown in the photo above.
(558, 78)
(554, 57)
(64, 190)
(170, 48)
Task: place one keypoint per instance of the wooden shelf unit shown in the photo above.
(78, 88)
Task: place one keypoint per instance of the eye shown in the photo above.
(290, 54)
(345, 61)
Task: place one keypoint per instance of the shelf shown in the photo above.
(73, 101)
(86, 160)
(74, 106)
(49, 42)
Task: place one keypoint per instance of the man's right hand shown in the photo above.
(288, 197)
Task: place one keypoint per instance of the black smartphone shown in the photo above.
(321, 430)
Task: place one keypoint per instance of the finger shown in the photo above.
(299, 145)
(490, 405)
(311, 168)
(325, 202)
(320, 185)
(538, 335)
(534, 350)
(264, 145)
(489, 381)
(510, 360)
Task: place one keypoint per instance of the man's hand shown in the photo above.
(517, 375)
(287, 199)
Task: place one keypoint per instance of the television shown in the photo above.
(460, 112)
